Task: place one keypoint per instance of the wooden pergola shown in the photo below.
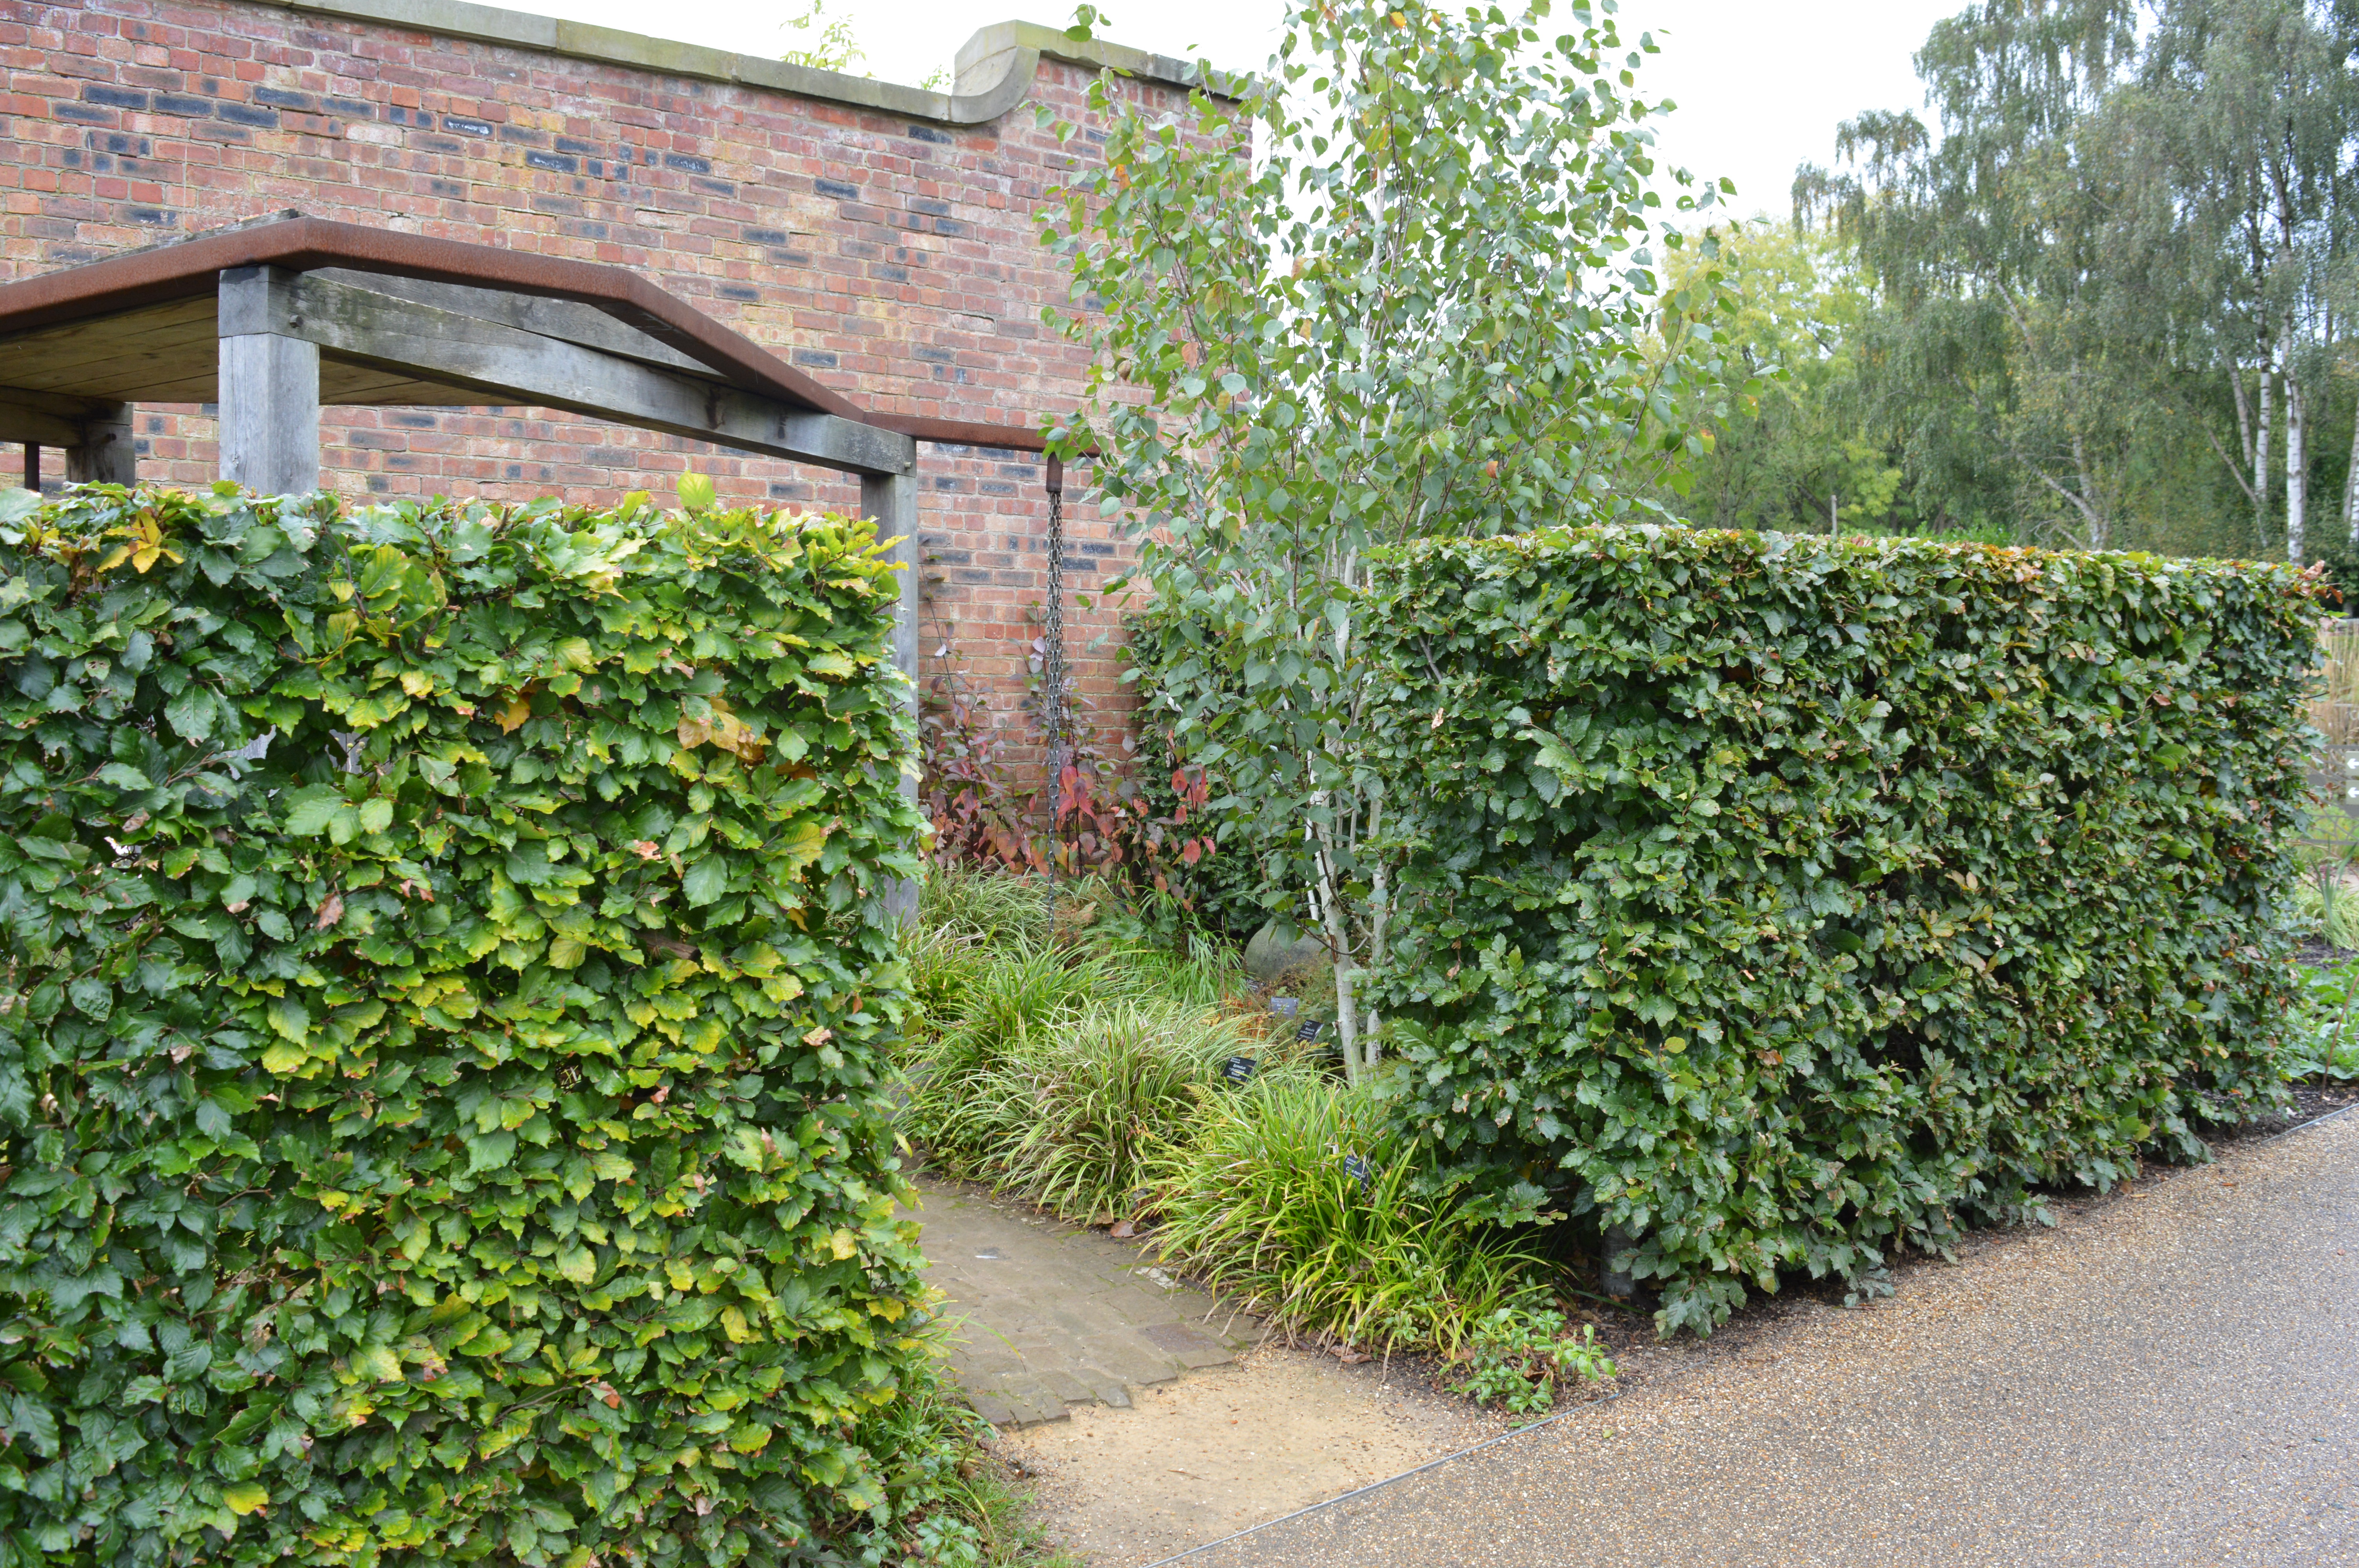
(275, 319)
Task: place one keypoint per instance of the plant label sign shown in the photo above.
(1357, 1169)
(1311, 1029)
(1285, 1006)
(1237, 1069)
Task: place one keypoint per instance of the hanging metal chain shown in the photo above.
(1055, 719)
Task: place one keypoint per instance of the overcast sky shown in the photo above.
(1760, 84)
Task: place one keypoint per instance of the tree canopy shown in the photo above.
(2100, 296)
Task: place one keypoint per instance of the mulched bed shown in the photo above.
(2311, 1101)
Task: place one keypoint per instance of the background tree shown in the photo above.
(2244, 111)
(1429, 304)
(2003, 320)
(2102, 294)
(1802, 452)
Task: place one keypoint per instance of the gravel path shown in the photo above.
(2171, 1377)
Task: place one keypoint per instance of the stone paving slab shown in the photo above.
(1046, 1315)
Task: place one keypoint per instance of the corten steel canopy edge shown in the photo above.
(191, 269)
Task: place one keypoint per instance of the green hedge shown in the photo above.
(1779, 899)
(439, 1060)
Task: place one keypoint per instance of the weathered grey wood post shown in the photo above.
(269, 388)
(106, 454)
(892, 499)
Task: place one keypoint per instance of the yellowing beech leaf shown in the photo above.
(416, 683)
(244, 1497)
(843, 1244)
(518, 709)
(378, 1361)
(802, 846)
(282, 1058)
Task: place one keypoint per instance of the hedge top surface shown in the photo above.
(441, 1076)
(1777, 898)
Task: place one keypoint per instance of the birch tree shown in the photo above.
(1430, 302)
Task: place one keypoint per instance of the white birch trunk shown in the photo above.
(2297, 465)
(2351, 485)
(2261, 432)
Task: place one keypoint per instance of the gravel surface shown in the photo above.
(2171, 1375)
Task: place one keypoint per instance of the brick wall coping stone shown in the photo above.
(992, 74)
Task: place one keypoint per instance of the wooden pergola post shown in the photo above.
(892, 499)
(269, 389)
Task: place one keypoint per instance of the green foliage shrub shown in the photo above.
(1778, 900)
(1304, 1197)
(1518, 1358)
(440, 1062)
(2324, 1043)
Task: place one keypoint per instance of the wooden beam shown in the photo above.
(42, 418)
(509, 365)
(563, 319)
(126, 357)
(269, 389)
(104, 452)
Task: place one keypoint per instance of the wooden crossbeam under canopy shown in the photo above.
(271, 322)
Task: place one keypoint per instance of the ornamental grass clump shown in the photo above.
(1068, 1115)
(1778, 902)
(1300, 1196)
(967, 925)
(442, 1068)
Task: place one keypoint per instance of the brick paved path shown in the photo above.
(1046, 1315)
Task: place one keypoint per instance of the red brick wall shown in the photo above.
(897, 261)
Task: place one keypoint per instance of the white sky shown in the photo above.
(1760, 83)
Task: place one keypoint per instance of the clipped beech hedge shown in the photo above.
(1778, 901)
(440, 1049)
